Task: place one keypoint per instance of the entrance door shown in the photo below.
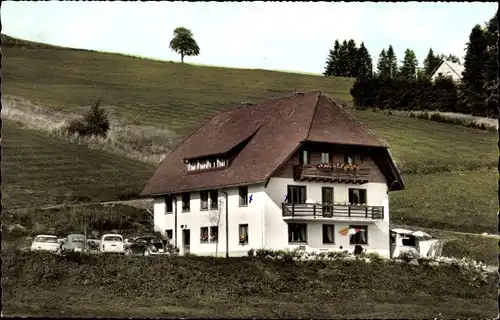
(186, 239)
(327, 200)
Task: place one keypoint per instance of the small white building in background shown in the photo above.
(292, 172)
(446, 68)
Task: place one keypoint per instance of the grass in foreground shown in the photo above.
(459, 201)
(39, 170)
(44, 284)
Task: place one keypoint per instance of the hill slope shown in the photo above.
(39, 170)
(180, 97)
(176, 95)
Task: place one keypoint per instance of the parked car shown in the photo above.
(414, 243)
(145, 246)
(112, 243)
(75, 242)
(45, 242)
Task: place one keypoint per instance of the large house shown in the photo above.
(292, 172)
(447, 68)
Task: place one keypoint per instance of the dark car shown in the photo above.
(145, 246)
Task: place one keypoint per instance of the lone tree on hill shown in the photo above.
(183, 43)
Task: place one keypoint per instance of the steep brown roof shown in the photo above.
(274, 128)
(331, 124)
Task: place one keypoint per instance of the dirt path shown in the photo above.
(138, 203)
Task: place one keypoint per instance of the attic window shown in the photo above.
(207, 164)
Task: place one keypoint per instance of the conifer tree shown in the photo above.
(331, 68)
(364, 62)
(409, 68)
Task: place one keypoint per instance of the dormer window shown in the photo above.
(304, 157)
(325, 157)
(207, 164)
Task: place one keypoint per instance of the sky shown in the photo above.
(257, 35)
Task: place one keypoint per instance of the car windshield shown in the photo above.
(46, 239)
(154, 240)
(113, 238)
(78, 239)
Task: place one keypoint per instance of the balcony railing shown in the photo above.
(312, 172)
(295, 210)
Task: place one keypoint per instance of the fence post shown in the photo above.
(366, 212)
(293, 209)
(314, 210)
(349, 211)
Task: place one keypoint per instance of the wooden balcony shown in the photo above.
(332, 211)
(313, 173)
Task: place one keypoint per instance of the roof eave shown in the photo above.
(162, 194)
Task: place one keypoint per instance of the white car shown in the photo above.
(112, 243)
(45, 243)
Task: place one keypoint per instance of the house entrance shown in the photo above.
(186, 240)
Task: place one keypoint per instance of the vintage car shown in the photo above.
(46, 243)
(111, 243)
(145, 246)
(74, 242)
(414, 243)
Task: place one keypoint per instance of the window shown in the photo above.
(205, 164)
(214, 234)
(297, 232)
(204, 234)
(213, 163)
(349, 159)
(243, 192)
(327, 200)
(243, 233)
(169, 234)
(204, 200)
(304, 157)
(359, 234)
(186, 202)
(328, 234)
(325, 157)
(168, 204)
(214, 199)
(296, 194)
(357, 196)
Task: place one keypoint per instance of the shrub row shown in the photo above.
(438, 117)
(422, 94)
(236, 277)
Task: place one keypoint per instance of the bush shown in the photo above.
(94, 122)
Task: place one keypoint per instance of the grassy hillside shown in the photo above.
(44, 284)
(464, 202)
(179, 97)
(38, 170)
